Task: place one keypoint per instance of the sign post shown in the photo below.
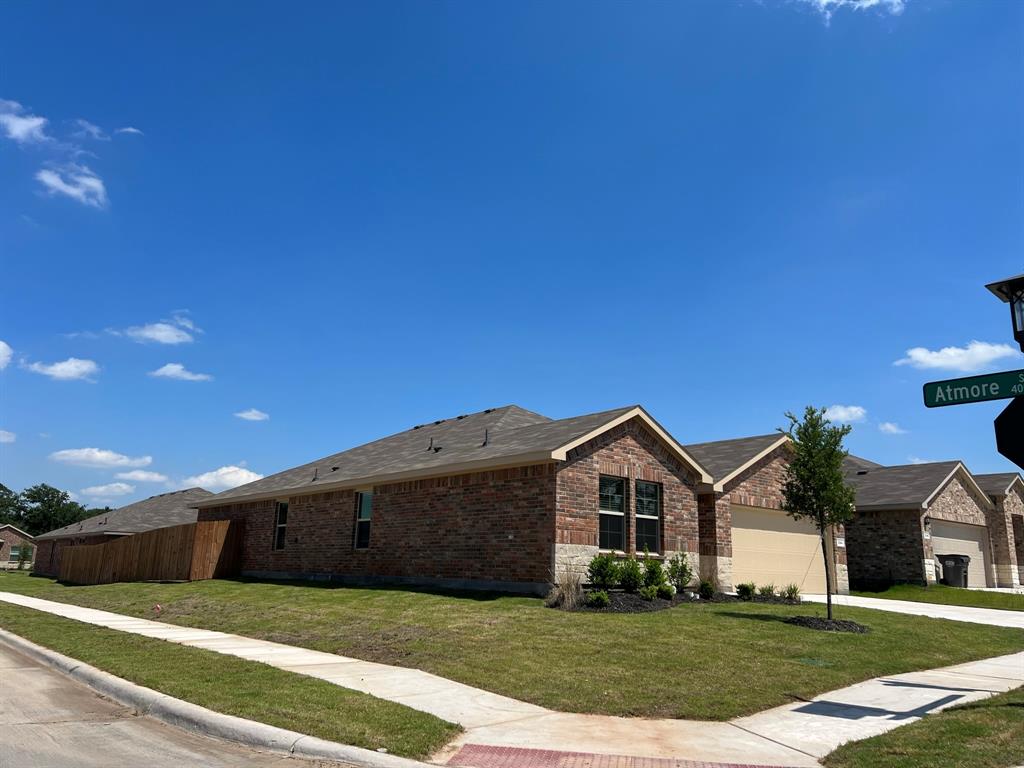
(974, 389)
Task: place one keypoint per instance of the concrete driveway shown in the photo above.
(993, 616)
(50, 721)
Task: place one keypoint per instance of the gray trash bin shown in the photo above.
(954, 569)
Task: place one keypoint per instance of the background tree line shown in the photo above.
(41, 508)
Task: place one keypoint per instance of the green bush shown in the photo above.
(680, 573)
(746, 590)
(791, 592)
(768, 590)
(631, 576)
(654, 572)
(706, 590)
(648, 593)
(666, 591)
(598, 599)
(604, 571)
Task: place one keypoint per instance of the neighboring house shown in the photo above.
(14, 541)
(175, 508)
(500, 499)
(1006, 491)
(745, 535)
(907, 517)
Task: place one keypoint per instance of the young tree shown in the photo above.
(815, 487)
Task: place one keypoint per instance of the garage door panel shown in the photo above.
(962, 539)
(770, 547)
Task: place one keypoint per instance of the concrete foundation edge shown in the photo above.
(196, 719)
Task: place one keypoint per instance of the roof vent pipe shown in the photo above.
(486, 437)
(431, 446)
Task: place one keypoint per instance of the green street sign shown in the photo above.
(974, 389)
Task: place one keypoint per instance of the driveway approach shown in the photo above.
(50, 721)
(992, 616)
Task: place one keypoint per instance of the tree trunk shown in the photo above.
(828, 574)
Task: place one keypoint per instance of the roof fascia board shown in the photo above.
(20, 532)
(562, 451)
(902, 507)
(942, 486)
(478, 465)
(719, 486)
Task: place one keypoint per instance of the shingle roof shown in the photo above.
(909, 485)
(723, 457)
(853, 463)
(175, 508)
(511, 433)
(997, 484)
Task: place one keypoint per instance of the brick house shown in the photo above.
(745, 536)
(165, 509)
(907, 517)
(1006, 526)
(500, 499)
(14, 541)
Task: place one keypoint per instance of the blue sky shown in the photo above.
(358, 217)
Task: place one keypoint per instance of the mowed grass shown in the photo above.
(985, 734)
(940, 593)
(710, 661)
(237, 687)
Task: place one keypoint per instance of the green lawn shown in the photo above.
(940, 593)
(237, 687)
(986, 734)
(696, 661)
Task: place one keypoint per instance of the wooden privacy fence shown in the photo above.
(190, 552)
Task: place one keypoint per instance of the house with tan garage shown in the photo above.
(908, 517)
(745, 535)
(1006, 527)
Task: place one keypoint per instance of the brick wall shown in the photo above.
(494, 526)
(761, 485)
(1009, 553)
(48, 552)
(885, 547)
(8, 539)
(629, 451)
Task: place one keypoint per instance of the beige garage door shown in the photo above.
(960, 539)
(770, 547)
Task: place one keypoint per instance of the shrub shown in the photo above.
(566, 590)
(598, 599)
(792, 593)
(604, 571)
(666, 591)
(679, 572)
(654, 573)
(746, 590)
(631, 576)
(768, 590)
(648, 593)
(706, 590)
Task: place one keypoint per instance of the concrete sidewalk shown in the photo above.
(993, 616)
(792, 735)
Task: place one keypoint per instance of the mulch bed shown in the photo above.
(627, 602)
(721, 597)
(824, 625)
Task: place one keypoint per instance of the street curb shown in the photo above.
(196, 719)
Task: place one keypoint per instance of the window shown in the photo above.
(280, 524)
(364, 512)
(612, 513)
(13, 556)
(648, 516)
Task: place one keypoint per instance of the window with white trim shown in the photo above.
(280, 524)
(364, 514)
(648, 516)
(13, 554)
(611, 513)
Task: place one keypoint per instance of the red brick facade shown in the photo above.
(9, 537)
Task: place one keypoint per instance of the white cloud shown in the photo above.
(918, 460)
(178, 371)
(891, 428)
(20, 126)
(98, 458)
(186, 322)
(78, 182)
(108, 491)
(129, 129)
(975, 356)
(66, 370)
(5, 354)
(142, 476)
(223, 478)
(846, 414)
(161, 333)
(87, 130)
(828, 7)
(253, 415)
(7, 437)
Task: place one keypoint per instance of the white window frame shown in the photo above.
(12, 556)
(612, 512)
(657, 518)
(279, 526)
(361, 521)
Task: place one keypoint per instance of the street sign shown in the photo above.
(1010, 432)
(974, 389)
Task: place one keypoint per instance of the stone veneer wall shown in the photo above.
(630, 451)
(959, 503)
(1008, 545)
